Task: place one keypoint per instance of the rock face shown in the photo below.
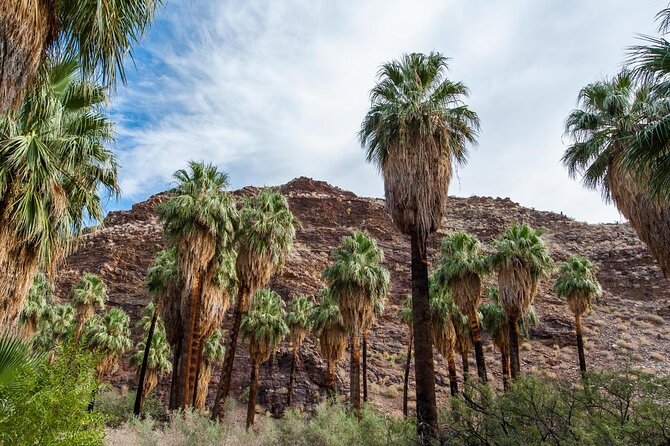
(628, 325)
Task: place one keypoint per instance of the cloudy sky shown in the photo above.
(270, 90)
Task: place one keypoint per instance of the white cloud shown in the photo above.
(273, 90)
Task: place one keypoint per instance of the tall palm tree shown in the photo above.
(461, 267)
(299, 323)
(417, 127)
(442, 330)
(405, 316)
(98, 35)
(54, 166)
(603, 131)
(264, 240)
(577, 283)
(521, 260)
(164, 283)
(200, 220)
(327, 322)
(357, 280)
(494, 322)
(109, 335)
(213, 353)
(157, 356)
(264, 326)
(87, 294)
(38, 307)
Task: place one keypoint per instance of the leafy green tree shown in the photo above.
(417, 128)
(461, 267)
(266, 232)
(38, 307)
(327, 322)
(521, 260)
(264, 325)
(603, 131)
(578, 284)
(299, 324)
(87, 294)
(54, 167)
(405, 316)
(200, 220)
(357, 280)
(494, 322)
(97, 35)
(108, 336)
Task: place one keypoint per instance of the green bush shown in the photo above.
(621, 408)
(117, 406)
(47, 403)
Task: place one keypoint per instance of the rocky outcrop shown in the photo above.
(629, 324)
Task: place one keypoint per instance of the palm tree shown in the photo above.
(157, 356)
(299, 323)
(265, 236)
(213, 353)
(87, 294)
(417, 126)
(577, 283)
(15, 357)
(461, 267)
(357, 280)
(327, 322)
(109, 336)
(442, 330)
(405, 316)
(494, 322)
(62, 321)
(200, 220)
(603, 131)
(378, 310)
(54, 166)
(463, 340)
(98, 35)
(264, 326)
(38, 306)
(521, 261)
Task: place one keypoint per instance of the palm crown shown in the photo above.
(523, 246)
(577, 282)
(38, 305)
(90, 291)
(159, 353)
(110, 333)
(326, 312)
(264, 325)
(298, 317)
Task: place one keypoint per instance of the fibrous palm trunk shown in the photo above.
(424, 368)
(202, 386)
(504, 359)
(190, 344)
(466, 365)
(580, 343)
(365, 368)
(174, 383)
(355, 374)
(291, 378)
(405, 381)
(139, 398)
(479, 350)
(253, 388)
(227, 371)
(513, 327)
(453, 378)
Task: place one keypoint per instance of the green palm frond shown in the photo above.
(62, 320)
(163, 271)
(299, 313)
(405, 313)
(89, 291)
(577, 275)
(159, 352)
(214, 349)
(38, 305)
(15, 356)
(326, 312)
(521, 245)
(265, 324)
(461, 254)
(494, 319)
(110, 333)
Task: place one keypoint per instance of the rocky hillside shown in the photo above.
(629, 325)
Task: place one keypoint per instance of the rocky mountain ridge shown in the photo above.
(629, 324)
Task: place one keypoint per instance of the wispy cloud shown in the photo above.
(272, 90)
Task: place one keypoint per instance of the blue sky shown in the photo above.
(270, 90)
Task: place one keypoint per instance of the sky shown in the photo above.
(271, 90)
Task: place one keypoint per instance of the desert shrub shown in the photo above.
(47, 403)
(619, 408)
(117, 406)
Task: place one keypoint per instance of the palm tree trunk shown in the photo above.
(139, 398)
(424, 367)
(291, 377)
(580, 344)
(355, 375)
(365, 368)
(253, 388)
(331, 381)
(466, 365)
(227, 371)
(504, 359)
(203, 386)
(453, 378)
(198, 365)
(515, 365)
(190, 343)
(479, 350)
(405, 381)
(174, 384)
